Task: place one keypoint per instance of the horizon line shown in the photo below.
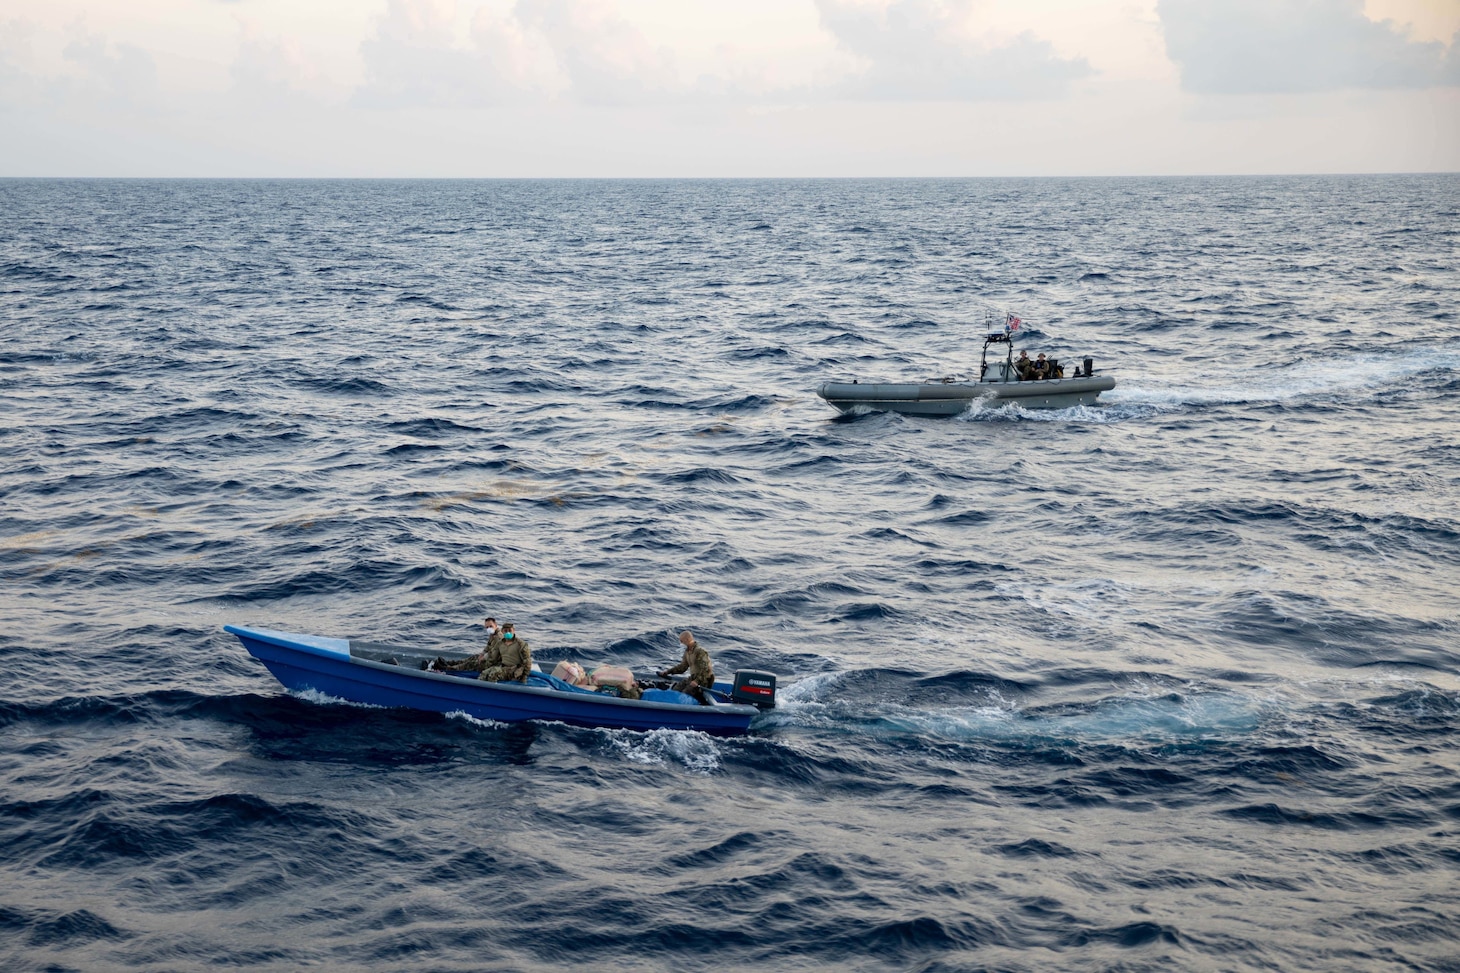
(861, 178)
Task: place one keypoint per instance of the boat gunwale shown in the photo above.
(1036, 386)
(549, 691)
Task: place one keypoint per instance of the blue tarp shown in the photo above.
(669, 696)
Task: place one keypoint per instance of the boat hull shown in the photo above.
(951, 398)
(304, 662)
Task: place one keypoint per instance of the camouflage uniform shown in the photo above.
(508, 660)
(481, 660)
(697, 662)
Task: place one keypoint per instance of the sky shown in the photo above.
(749, 88)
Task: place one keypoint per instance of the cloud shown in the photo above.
(1296, 46)
(584, 51)
(414, 60)
(119, 75)
(97, 76)
(15, 60)
(578, 49)
(269, 71)
(606, 59)
(930, 50)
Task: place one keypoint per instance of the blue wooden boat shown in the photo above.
(385, 675)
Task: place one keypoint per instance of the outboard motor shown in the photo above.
(1089, 367)
(755, 687)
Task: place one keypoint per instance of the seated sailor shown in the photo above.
(1023, 365)
(1041, 368)
(473, 663)
(509, 658)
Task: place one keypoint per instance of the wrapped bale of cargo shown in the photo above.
(571, 673)
(618, 677)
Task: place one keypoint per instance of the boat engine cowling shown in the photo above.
(754, 687)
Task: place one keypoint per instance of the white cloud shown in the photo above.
(581, 50)
(521, 57)
(415, 60)
(606, 59)
(270, 69)
(17, 72)
(119, 75)
(1422, 20)
(1288, 46)
(587, 52)
(703, 88)
(933, 50)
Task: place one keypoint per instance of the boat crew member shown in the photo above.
(1041, 368)
(473, 663)
(697, 663)
(509, 658)
(1022, 365)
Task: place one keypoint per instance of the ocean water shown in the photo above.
(1166, 683)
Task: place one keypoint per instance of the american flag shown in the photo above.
(1012, 323)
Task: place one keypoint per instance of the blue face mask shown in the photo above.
(507, 636)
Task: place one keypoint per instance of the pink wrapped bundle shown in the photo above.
(612, 676)
(571, 672)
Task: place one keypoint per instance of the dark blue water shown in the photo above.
(1169, 683)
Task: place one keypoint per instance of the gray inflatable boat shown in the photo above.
(998, 383)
